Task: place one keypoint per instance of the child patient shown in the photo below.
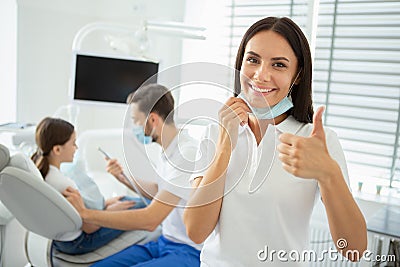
(55, 139)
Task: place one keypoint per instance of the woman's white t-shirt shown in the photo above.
(60, 182)
(264, 208)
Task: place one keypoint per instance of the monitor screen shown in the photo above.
(109, 79)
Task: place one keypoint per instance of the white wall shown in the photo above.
(46, 29)
(8, 58)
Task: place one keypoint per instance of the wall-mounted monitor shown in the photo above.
(108, 79)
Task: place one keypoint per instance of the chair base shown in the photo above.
(39, 250)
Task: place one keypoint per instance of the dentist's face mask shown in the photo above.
(269, 113)
(138, 118)
(138, 131)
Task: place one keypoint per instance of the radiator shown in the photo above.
(320, 240)
(385, 245)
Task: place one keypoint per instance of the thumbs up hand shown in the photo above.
(318, 129)
(307, 157)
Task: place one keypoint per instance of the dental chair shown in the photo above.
(46, 215)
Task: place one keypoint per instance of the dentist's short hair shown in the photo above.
(154, 98)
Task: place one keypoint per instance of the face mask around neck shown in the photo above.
(269, 113)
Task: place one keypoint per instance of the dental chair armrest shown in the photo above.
(37, 205)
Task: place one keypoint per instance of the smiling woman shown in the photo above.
(274, 61)
(269, 75)
(282, 59)
(272, 68)
(356, 51)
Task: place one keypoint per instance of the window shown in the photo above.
(244, 13)
(356, 74)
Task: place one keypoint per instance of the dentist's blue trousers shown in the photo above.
(160, 253)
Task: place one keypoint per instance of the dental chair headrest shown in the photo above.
(4, 156)
(20, 161)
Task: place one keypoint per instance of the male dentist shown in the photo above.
(152, 110)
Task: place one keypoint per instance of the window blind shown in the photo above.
(356, 74)
(244, 13)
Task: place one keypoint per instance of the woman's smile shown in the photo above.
(262, 89)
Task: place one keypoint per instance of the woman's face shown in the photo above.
(69, 148)
(270, 66)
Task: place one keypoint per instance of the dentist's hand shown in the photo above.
(307, 157)
(232, 114)
(74, 197)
